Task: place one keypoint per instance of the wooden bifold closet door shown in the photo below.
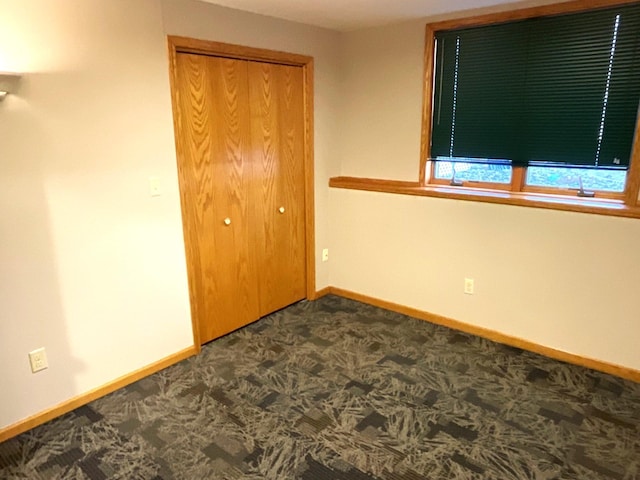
(241, 142)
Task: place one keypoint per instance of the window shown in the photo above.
(541, 104)
(536, 107)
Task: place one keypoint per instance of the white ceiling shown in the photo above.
(345, 15)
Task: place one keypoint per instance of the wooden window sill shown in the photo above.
(524, 199)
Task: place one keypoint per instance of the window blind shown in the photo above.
(560, 90)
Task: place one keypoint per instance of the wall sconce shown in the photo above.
(8, 83)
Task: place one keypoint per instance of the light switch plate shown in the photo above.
(154, 187)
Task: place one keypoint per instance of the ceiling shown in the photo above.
(345, 15)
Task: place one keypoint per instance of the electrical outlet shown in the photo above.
(38, 360)
(468, 286)
(325, 254)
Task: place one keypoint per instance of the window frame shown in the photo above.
(518, 179)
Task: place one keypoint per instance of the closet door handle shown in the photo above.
(227, 221)
(281, 209)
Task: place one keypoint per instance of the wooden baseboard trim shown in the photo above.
(613, 369)
(84, 398)
(323, 292)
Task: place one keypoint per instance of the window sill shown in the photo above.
(536, 200)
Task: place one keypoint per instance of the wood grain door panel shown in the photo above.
(215, 172)
(277, 138)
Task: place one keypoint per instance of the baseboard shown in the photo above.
(84, 398)
(322, 292)
(613, 369)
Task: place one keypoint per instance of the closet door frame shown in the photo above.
(204, 47)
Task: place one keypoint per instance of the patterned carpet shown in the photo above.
(338, 390)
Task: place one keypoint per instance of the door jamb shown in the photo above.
(179, 44)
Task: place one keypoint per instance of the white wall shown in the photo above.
(561, 279)
(91, 266)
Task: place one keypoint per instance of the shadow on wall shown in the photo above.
(31, 309)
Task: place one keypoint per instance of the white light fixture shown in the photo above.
(8, 83)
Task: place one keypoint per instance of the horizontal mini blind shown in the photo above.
(478, 112)
(559, 90)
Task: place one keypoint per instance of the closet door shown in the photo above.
(277, 138)
(215, 169)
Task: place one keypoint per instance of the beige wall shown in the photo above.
(560, 279)
(92, 267)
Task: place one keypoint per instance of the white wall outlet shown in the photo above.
(154, 187)
(38, 360)
(469, 286)
(325, 254)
